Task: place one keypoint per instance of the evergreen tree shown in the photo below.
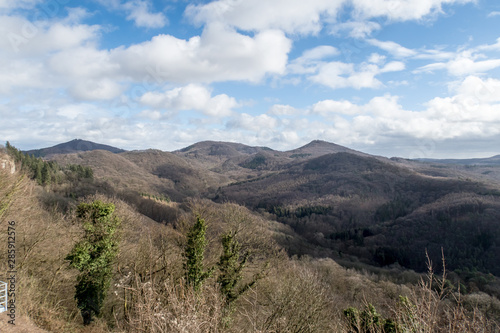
(93, 256)
(37, 171)
(194, 254)
(45, 174)
(230, 268)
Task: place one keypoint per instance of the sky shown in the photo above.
(407, 78)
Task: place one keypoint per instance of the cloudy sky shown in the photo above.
(410, 78)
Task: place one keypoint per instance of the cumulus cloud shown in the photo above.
(21, 37)
(309, 17)
(343, 75)
(290, 16)
(72, 59)
(329, 107)
(401, 10)
(140, 12)
(472, 112)
(219, 54)
(191, 97)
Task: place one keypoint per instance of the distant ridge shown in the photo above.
(488, 161)
(73, 146)
(221, 148)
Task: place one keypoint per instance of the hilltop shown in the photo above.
(73, 146)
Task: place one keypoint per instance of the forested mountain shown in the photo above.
(264, 209)
(73, 146)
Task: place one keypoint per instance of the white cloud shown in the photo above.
(343, 75)
(308, 17)
(96, 89)
(291, 16)
(13, 4)
(248, 122)
(480, 90)
(355, 29)
(376, 58)
(22, 74)
(74, 111)
(471, 112)
(219, 54)
(150, 114)
(310, 59)
(191, 97)
(490, 47)
(320, 52)
(463, 64)
(89, 73)
(401, 10)
(282, 110)
(493, 14)
(21, 37)
(67, 55)
(328, 107)
(393, 48)
(436, 55)
(140, 12)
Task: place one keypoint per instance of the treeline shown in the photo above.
(48, 172)
(298, 212)
(157, 197)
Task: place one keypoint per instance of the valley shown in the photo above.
(323, 210)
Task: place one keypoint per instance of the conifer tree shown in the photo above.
(230, 268)
(194, 254)
(45, 174)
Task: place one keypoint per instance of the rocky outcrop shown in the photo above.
(7, 164)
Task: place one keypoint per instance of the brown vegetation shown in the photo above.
(298, 293)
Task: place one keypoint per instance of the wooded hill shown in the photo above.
(342, 201)
(324, 239)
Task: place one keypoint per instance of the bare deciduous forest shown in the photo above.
(222, 237)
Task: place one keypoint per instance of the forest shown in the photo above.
(94, 255)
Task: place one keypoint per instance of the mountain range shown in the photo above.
(345, 204)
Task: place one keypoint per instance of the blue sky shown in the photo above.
(407, 78)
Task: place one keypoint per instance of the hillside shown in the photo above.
(72, 146)
(272, 291)
(363, 206)
(234, 160)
